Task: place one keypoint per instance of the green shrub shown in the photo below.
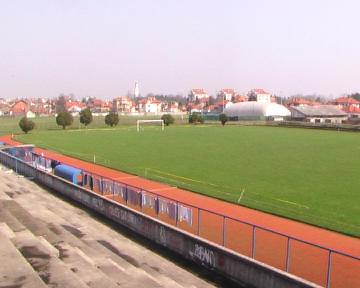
(86, 117)
(112, 119)
(168, 119)
(64, 119)
(26, 125)
(223, 118)
(196, 118)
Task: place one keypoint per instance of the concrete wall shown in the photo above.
(216, 258)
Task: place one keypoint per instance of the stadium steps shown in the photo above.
(32, 239)
(120, 253)
(119, 266)
(82, 269)
(85, 267)
(9, 219)
(127, 269)
(44, 260)
(17, 272)
(59, 229)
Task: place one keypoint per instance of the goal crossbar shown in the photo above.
(138, 122)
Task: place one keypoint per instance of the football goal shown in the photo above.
(159, 122)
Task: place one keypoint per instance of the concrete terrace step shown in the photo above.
(50, 268)
(62, 225)
(111, 264)
(37, 226)
(17, 272)
(67, 234)
(138, 270)
(96, 251)
(9, 219)
(89, 274)
(85, 267)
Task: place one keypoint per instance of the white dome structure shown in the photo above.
(257, 110)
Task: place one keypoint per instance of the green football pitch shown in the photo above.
(309, 175)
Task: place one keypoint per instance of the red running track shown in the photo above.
(306, 261)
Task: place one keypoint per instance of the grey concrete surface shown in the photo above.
(47, 242)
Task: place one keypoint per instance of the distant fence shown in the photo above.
(315, 263)
(325, 126)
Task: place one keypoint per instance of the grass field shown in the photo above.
(10, 125)
(308, 175)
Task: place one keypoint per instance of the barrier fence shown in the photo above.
(318, 264)
(313, 262)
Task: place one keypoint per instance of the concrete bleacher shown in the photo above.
(47, 242)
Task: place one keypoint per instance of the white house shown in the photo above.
(123, 104)
(150, 105)
(197, 94)
(259, 95)
(227, 94)
(75, 107)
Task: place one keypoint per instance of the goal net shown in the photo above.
(147, 122)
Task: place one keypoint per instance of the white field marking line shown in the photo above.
(187, 183)
(293, 203)
(241, 195)
(185, 178)
(181, 177)
(309, 214)
(277, 206)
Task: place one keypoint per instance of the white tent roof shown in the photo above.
(256, 109)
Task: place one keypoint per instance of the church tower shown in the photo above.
(136, 90)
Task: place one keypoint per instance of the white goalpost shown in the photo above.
(138, 122)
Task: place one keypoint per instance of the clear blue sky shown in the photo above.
(100, 48)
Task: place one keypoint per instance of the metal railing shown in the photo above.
(315, 251)
(297, 256)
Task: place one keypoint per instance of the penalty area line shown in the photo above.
(293, 203)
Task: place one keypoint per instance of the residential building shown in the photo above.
(41, 106)
(74, 107)
(259, 95)
(172, 107)
(19, 108)
(98, 105)
(150, 105)
(296, 101)
(240, 98)
(192, 107)
(344, 102)
(221, 105)
(352, 111)
(4, 109)
(198, 94)
(227, 94)
(123, 104)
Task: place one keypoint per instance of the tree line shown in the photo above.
(65, 119)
